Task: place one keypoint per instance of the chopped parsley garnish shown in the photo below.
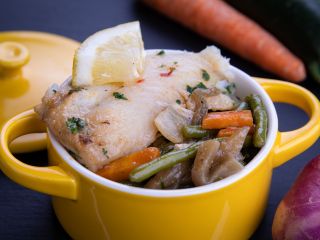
(105, 152)
(189, 89)
(178, 101)
(160, 53)
(231, 88)
(75, 125)
(199, 85)
(162, 66)
(162, 186)
(119, 96)
(205, 75)
(175, 63)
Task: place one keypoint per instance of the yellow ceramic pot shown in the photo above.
(91, 207)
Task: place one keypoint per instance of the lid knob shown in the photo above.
(13, 56)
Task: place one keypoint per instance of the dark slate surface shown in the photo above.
(25, 214)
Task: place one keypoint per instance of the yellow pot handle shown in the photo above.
(290, 144)
(29, 143)
(52, 180)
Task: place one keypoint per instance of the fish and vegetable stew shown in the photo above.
(178, 124)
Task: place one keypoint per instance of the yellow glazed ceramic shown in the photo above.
(29, 63)
(91, 207)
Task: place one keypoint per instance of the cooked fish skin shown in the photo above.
(116, 127)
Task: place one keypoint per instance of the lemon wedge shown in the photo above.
(113, 55)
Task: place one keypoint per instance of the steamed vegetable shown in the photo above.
(195, 131)
(172, 178)
(233, 144)
(200, 92)
(217, 21)
(220, 102)
(164, 162)
(202, 100)
(170, 121)
(215, 160)
(206, 155)
(260, 120)
(298, 214)
(295, 23)
(200, 106)
(227, 132)
(218, 120)
(119, 169)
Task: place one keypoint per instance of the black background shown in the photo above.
(25, 214)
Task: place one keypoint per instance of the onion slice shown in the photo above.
(170, 122)
(220, 102)
(215, 161)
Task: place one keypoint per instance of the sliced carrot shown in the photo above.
(227, 132)
(220, 22)
(218, 120)
(119, 169)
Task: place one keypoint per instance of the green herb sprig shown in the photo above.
(205, 75)
(119, 96)
(75, 124)
(199, 85)
(105, 152)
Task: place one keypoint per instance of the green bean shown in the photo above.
(194, 131)
(166, 161)
(242, 106)
(260, 119)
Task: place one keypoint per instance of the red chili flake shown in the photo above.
(167, 74)
(140, 81)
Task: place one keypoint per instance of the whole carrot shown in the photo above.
(218, 120)
(220, 22)
(119, 169)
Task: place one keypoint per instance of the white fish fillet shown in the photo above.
(116, 127)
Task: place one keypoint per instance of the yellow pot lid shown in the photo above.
(29, 63)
